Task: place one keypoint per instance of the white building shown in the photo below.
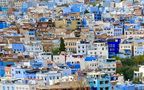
(75, 60)
(139, 74)
(104, 65)
(34, 48)
(49, 78)
(4, 2)
(45, 56)
(126, 46)
(82, 47)
(91, 63)
(17, 85)
(108, 66)
(59, 59)
(100, 49)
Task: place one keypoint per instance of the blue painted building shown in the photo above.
(106, 3)
(3, 9)
(66, 10)
(18, 47)
(3, 24)
(124, 87)
(65, 70)
(99, 81)
(97, 16)
(51, 5)
(31, 74)
(43, 19)
(79, 7)
(118, 30)
(98, 10)
(74, 67)
(84, 22)
(91, 58)
(2, 67)
(24, 7)
(113, 46)
(18, 72)
(74, 8)
(36, 64)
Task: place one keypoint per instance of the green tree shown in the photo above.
(62, 45)
(129, 66)
(139, 59)
(55, 51)
(127, 71)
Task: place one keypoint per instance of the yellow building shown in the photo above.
(60, 23)
(73, 24)
(70, 43)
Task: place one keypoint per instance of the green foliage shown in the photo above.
(55, 51)
(129, 66)
(93, 4)
(62, 45)
(126, 71)
(1, 54)
(117, 58)
(139, 59)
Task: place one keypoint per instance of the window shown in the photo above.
(101, 82)
(101, 88)
(106, 82)
(50, 78)
(3, 87)
(78, 23)
(79, 51)
(12, 88)
(17, 72)
(8, 88)
(107, 88)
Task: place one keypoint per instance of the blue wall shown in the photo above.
(124, 87)
(3, 24)
(37, 64)
(18, 47)
(113, 47)
(98, 15)
(98, 83)
(24, 7)
(74, 67)
(3, 9)
(2, 67)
